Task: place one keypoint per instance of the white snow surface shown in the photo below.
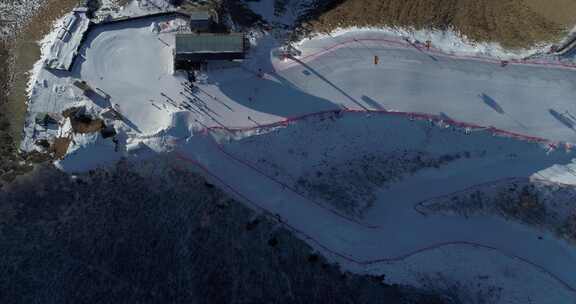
(132, 65)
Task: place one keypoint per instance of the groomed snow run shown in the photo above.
(129, 64)
(392, 229)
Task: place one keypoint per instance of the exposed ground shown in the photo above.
(8, 158)
(161, 236)
(17, 56)
(513, 23)
(26, 52)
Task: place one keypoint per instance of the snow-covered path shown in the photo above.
(528, 99)
(534, 100)
(401, 230)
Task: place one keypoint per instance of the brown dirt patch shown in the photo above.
(82, 123)
(562, 12)
(25, 53)
(17, 57)
(513, 23)
(85, 124)
(60, 147)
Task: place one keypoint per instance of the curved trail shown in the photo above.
(347, 257)
(351, 259)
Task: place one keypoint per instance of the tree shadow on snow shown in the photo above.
(563, 118)
(373, 103)
(489, 101)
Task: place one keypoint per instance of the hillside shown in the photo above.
(184, 241)
(360, 144)
(513, 23)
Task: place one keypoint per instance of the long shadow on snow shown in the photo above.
(489, 101)
(563, 118)
(330, 83)
(279, 97)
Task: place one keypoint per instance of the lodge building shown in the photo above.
(203, 43)
(192, 50)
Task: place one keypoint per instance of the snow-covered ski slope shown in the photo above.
(392, 228)
(531, 99)
(528, 99)
(130, 66)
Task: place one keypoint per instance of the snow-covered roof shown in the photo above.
(67, 41)
(209, 43)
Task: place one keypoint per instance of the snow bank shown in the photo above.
(448, 41)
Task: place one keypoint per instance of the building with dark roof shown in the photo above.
(200, 21)
(192, 50)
